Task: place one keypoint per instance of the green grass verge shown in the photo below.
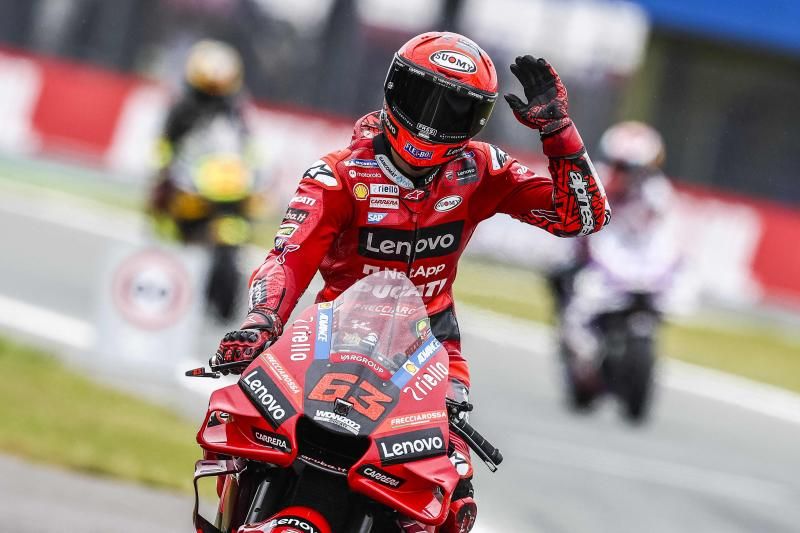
(51, 414)
(756, 351)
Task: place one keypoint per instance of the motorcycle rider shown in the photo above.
(408, 192)
(213, 78)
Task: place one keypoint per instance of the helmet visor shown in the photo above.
(434, 107)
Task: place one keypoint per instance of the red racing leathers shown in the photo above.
(351, 217)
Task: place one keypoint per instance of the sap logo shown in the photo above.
(384, 203)
(426, 381)
(401, 245)
(416, 152)
(265, 395)
(411, 446)
(384, 189)
(447, 203)
(452, 60)
(379, 476)
(375, 218)
(272, 440)
(580, 189)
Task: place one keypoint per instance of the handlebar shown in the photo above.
(482, 447)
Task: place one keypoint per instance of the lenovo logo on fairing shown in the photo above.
(410, 446)
(267, 397)
(580, 189)
(400, 245)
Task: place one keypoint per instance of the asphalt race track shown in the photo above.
(701, 466)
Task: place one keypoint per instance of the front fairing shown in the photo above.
(366, 368)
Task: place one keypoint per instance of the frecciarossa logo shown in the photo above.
(411, 446)
(400, 245)
(267, 397)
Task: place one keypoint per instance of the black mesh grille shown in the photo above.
(321, 447)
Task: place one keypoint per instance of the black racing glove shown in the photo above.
(259, 330)
(547, 105)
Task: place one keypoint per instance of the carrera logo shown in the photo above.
(384, 189)
(384, 203)
(272, 440)
(399, 245)
(456, 61)
(294, 522)
(417, 152)
(265, 395)
(411, 446)
(380, 476)
(447, 203)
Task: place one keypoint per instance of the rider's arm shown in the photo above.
(314, 217)
(571, 202)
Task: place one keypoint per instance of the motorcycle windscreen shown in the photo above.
(369, 342)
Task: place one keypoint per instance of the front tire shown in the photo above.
(635, 379)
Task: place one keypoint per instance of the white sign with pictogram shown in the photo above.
(150, 305)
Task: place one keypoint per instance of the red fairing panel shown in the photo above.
(291, 520)
(351, 216)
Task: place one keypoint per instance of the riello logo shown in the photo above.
(452, 60)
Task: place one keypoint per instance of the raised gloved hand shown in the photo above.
(259, 329)
(546, 109)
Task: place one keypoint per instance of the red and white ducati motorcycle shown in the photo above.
(340, 426)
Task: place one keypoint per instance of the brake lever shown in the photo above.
(202, 373)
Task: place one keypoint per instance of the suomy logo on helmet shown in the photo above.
(416, 152)
(453, 60)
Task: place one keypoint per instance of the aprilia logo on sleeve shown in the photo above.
(411, 446)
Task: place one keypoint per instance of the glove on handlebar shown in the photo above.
(547, 106)
(259, 329)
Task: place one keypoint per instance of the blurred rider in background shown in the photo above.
(213, 79)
